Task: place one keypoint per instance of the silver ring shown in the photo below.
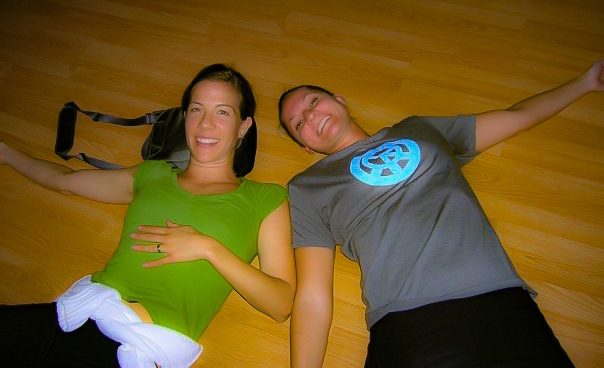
(159, 250)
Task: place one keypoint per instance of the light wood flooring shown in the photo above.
(542, 190)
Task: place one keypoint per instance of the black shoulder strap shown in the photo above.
(166, 141)
(66, 132)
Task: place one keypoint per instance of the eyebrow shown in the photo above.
(303, 100)
(219, 105)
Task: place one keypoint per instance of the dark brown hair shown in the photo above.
(245, 154)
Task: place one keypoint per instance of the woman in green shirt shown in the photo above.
(187, 240)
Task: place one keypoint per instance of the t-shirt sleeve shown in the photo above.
(459, 131)
(308, 226)
(271, 196)
(143, 170)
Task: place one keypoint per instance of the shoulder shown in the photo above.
(436, 121)
(264, 196)
(264, 189)
(303, 179)
(263, 186)
(154, 165)
(152, 168)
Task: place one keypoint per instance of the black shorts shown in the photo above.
(30, 336)
(499, 329)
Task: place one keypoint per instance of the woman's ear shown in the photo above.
(308, 150)
(244, 127)
(340, 99)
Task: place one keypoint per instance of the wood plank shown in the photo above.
(542, 190)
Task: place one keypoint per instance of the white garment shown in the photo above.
(143, 344)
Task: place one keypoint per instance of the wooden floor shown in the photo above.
(543, 190)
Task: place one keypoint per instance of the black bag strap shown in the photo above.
(66, 132)
(245, 154)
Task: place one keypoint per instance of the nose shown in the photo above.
(205, 121)
(309, 115)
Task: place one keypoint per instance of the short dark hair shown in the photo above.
(284, 96)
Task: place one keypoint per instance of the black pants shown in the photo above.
(499, 329)
(30, 336)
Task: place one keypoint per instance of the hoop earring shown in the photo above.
(239, 141)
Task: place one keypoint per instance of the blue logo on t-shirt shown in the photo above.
(388, 164)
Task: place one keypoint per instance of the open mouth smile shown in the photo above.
(204, 140)
(321, 125)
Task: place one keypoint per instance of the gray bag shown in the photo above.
(166, 141)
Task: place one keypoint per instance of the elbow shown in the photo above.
(315, 304)
(64, 191)
(284, 310)
(282, 313)
(281, 316)
(60, 182)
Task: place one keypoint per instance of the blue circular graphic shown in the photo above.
(388, 164)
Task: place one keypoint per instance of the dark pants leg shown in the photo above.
(502, 329)
(30, 336)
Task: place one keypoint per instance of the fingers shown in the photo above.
(149, 237)
(156, 263)
(155, 248)
(169, 223)
(152, 229)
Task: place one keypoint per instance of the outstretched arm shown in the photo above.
(495, 126)
(313, 306)
(109, 186)
(269, 289)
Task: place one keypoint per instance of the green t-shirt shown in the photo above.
(185, 296)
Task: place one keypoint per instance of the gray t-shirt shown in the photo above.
(398, 204)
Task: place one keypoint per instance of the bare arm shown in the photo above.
(313, 306)
(269, 289)
(495, 126)
(109, 186)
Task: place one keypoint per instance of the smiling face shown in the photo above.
(213, 123)
(317, 120)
